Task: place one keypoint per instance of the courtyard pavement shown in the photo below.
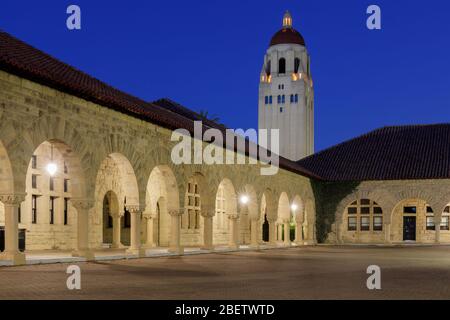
(320, 272)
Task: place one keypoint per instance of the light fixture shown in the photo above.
(52, 167)
(244, 199)
(294, 207)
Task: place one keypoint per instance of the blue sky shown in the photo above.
(207, 55)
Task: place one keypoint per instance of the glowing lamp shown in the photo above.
(52, 168)
(244, 199)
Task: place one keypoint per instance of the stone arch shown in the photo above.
(226, 206)
(6, 174)
(284, 210)
(110, 208)
(299, 212)
(67, 139)
(382, 197)
(162, 197)
(432, 199)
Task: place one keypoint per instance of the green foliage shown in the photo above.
(328, 195)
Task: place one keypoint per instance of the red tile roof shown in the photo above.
(389, 153)
(23, 60)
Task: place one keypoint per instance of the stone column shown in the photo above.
(208, 230)
(234, 231)
(287, 233)
(82, 249)
(299, 232)
(116, 231)
(254, 236)
(280, 232)
(387, 233)
(149, 218)
(437, 228)
(175, 231)
(272, 232)
(135, 232)
(11, 204)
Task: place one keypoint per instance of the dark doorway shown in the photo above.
(409, 228)
(265, 229)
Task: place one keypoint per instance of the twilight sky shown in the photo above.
(208, 54)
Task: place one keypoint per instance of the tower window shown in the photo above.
(296, 98)
(283, 99)
(296, 65)
(270, 99)
(281, 109)
(266, 100)
(282, 66)
(268, 65)
(292, 98)
(279, 99)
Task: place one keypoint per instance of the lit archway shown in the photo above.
(162, 196)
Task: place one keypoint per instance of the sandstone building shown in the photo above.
(85, 167)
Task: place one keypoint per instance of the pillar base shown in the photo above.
(88, 254)
(254, 246)
(118, 246)
(140, 252)
(179, 250)
(234, 247)
(207, 247)
(149, 246)
(17, 258)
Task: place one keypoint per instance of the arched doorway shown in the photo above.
(265, 229)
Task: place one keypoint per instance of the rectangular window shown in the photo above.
(351, 224)
(365, 210)
(33, 162)
(292, 98)
(411, 210)
(65, 167)
(430, 223)
(279, 99)
(283, 99)
(365, 202)
(66, 211)
(444, 223)
(34, 181)
(365, 223)
(66, 185)
(296, 98)
(377, 223)
(34, 208)
(52, 184)
(377, 210)
(352, 210)
(266, 100)
(281, 110)
(52, 210)
(19, 213)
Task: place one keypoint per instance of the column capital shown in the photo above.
(176, 212)
(13, 199)
(233, 216)
(148, 215)
(82, 203)
(207, 214)
(133, 209)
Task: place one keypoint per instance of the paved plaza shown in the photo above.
(321, 272)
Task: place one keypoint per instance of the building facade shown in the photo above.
(85, 167)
